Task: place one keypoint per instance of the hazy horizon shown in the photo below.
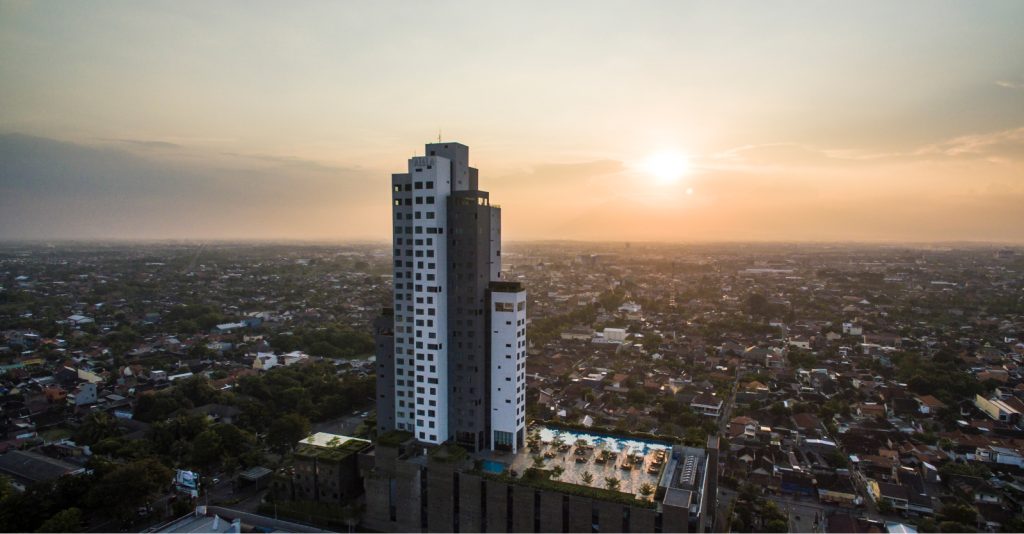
(868, 122)
(513, 242)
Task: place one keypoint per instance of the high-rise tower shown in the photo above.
(451, 353)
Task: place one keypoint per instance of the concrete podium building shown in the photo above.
(662, 487)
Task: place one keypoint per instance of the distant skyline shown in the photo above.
(627, 121)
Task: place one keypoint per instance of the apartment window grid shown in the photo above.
(424, 298)
(425, 329)
(408, 250)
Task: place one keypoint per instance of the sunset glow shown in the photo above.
(788, 121)
(667, 167)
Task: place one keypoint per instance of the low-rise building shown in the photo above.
(708, 405)
(837, 489)
(615, 335)
(326, 468)
(83, 395)
(997, 409)
(27, 467)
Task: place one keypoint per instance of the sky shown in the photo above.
(781, 121)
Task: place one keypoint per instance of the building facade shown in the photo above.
(508, 365)
(451, 452)
(436, 363)
(325, 469)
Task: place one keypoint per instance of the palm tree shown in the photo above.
(533, 440)
(588, 478)
(612, 483)
(646, 489)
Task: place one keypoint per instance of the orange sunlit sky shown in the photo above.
(642, 121)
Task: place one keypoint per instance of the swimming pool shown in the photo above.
(491, 466)
(547, 435)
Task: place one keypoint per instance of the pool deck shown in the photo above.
(633, 465)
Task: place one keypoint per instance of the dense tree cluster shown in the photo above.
(942, 375)
(194, 318)
(544, 329)
(186, 394)
(314, 390)
(754, 513)
(110, 491)
(331, 341)
(679, 420)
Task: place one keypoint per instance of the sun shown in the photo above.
(667, 167)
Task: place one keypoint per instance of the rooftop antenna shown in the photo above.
(438, 135)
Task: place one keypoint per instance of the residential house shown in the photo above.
(706, 404)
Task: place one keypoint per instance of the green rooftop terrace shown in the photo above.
(330, 447)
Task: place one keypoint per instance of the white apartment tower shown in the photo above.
(451, 351)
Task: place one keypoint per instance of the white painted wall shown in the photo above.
(508, 363)
(421, 311)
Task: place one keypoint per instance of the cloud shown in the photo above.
(745, 152)
(1003, 145)
(291, 162)
(51, 188)
(1010, 85)
(145, 143)
(780, 153)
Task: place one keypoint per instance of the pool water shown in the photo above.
(491, 466)
(547, 435)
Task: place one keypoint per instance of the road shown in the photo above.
(346, 425)
(160, 511)
(723, 519)
(723, 419)
(225, 493)
(804, 517)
